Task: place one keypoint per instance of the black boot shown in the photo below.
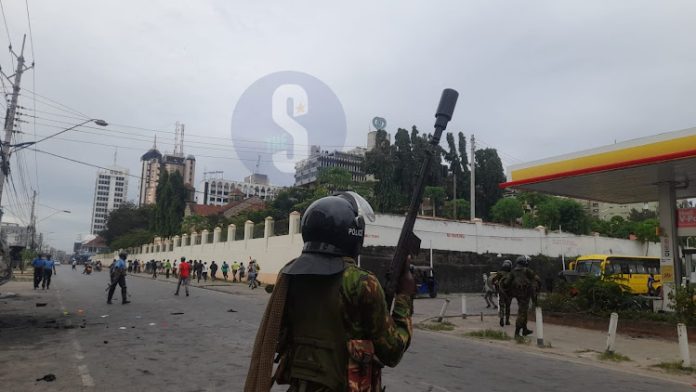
(517, 332)
(124, 296)
(502, 322)
(111, 294)
(507, 322)
(526, 331)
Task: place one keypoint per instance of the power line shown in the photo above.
(33, 85)
(7, 30)
(88, 164)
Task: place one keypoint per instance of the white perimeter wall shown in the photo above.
(273, 252)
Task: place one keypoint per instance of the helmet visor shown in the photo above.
(364, 208)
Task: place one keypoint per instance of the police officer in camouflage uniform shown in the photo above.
(336, 331)
(504, 299)
(522, 284)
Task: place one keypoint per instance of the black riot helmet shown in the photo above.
(507, 265)
(122, 255)
(522, 261)
(335, 225)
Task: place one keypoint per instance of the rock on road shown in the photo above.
(160, 342)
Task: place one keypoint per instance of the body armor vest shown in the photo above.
(317, 334)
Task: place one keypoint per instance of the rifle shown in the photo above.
(409, 243)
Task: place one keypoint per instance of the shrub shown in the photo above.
(684, 304)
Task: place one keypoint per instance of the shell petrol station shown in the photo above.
(656, 168)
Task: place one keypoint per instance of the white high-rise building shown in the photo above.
(110, 191)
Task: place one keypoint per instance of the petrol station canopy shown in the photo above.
(626, 172)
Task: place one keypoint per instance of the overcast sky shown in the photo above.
(536, 78)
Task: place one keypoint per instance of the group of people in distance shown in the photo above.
(199, 269)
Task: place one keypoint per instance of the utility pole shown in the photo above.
(454, 194)
(473, 178)
(10, 118)
(31, 230)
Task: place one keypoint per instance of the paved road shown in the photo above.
(148, 346)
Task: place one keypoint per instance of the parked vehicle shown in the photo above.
(630, 271)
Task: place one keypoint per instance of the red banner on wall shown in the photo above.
(686, 217)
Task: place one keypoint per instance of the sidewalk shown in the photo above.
(574, 344)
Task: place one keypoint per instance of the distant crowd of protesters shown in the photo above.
(199, 269)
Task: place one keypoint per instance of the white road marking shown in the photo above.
(87, 379)
(83, 370)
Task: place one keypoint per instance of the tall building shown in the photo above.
(110, 191)
(307, 170)
(154, 163)
(220, 192)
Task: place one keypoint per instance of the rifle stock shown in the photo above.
(409, 243)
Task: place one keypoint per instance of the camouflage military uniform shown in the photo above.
(373, 337)
(522, 284)
(503, 298)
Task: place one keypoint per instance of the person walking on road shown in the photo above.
(213, 270)
(242, 271)
(235, 268)
(488, 291)
(38, 265)
(184, 273)
(167, 268)
(204, 271)
(252, 275)
(49, 270)
(74, 265)
(118, 277)
(225, 267)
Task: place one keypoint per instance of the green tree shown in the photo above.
(132, 238)
(436, 195)
(170, 204)
(381, 162)
(463, 209)
(565, 214)
(124, 219)
(639, 216)
(194, 223)
(489, 174)
(507, 210)
(335, 179)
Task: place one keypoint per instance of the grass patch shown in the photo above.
(613, 356)
(489, 334)
(522, 340)
(443, 326)
(675, 368)
(585, 351)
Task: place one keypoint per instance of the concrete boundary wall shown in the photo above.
(272, 252)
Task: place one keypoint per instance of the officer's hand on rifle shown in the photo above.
(407, 285)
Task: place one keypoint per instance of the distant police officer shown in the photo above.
(118, 277)
(49, 270)
(328, 317)
(38, 264)
(522, 284)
